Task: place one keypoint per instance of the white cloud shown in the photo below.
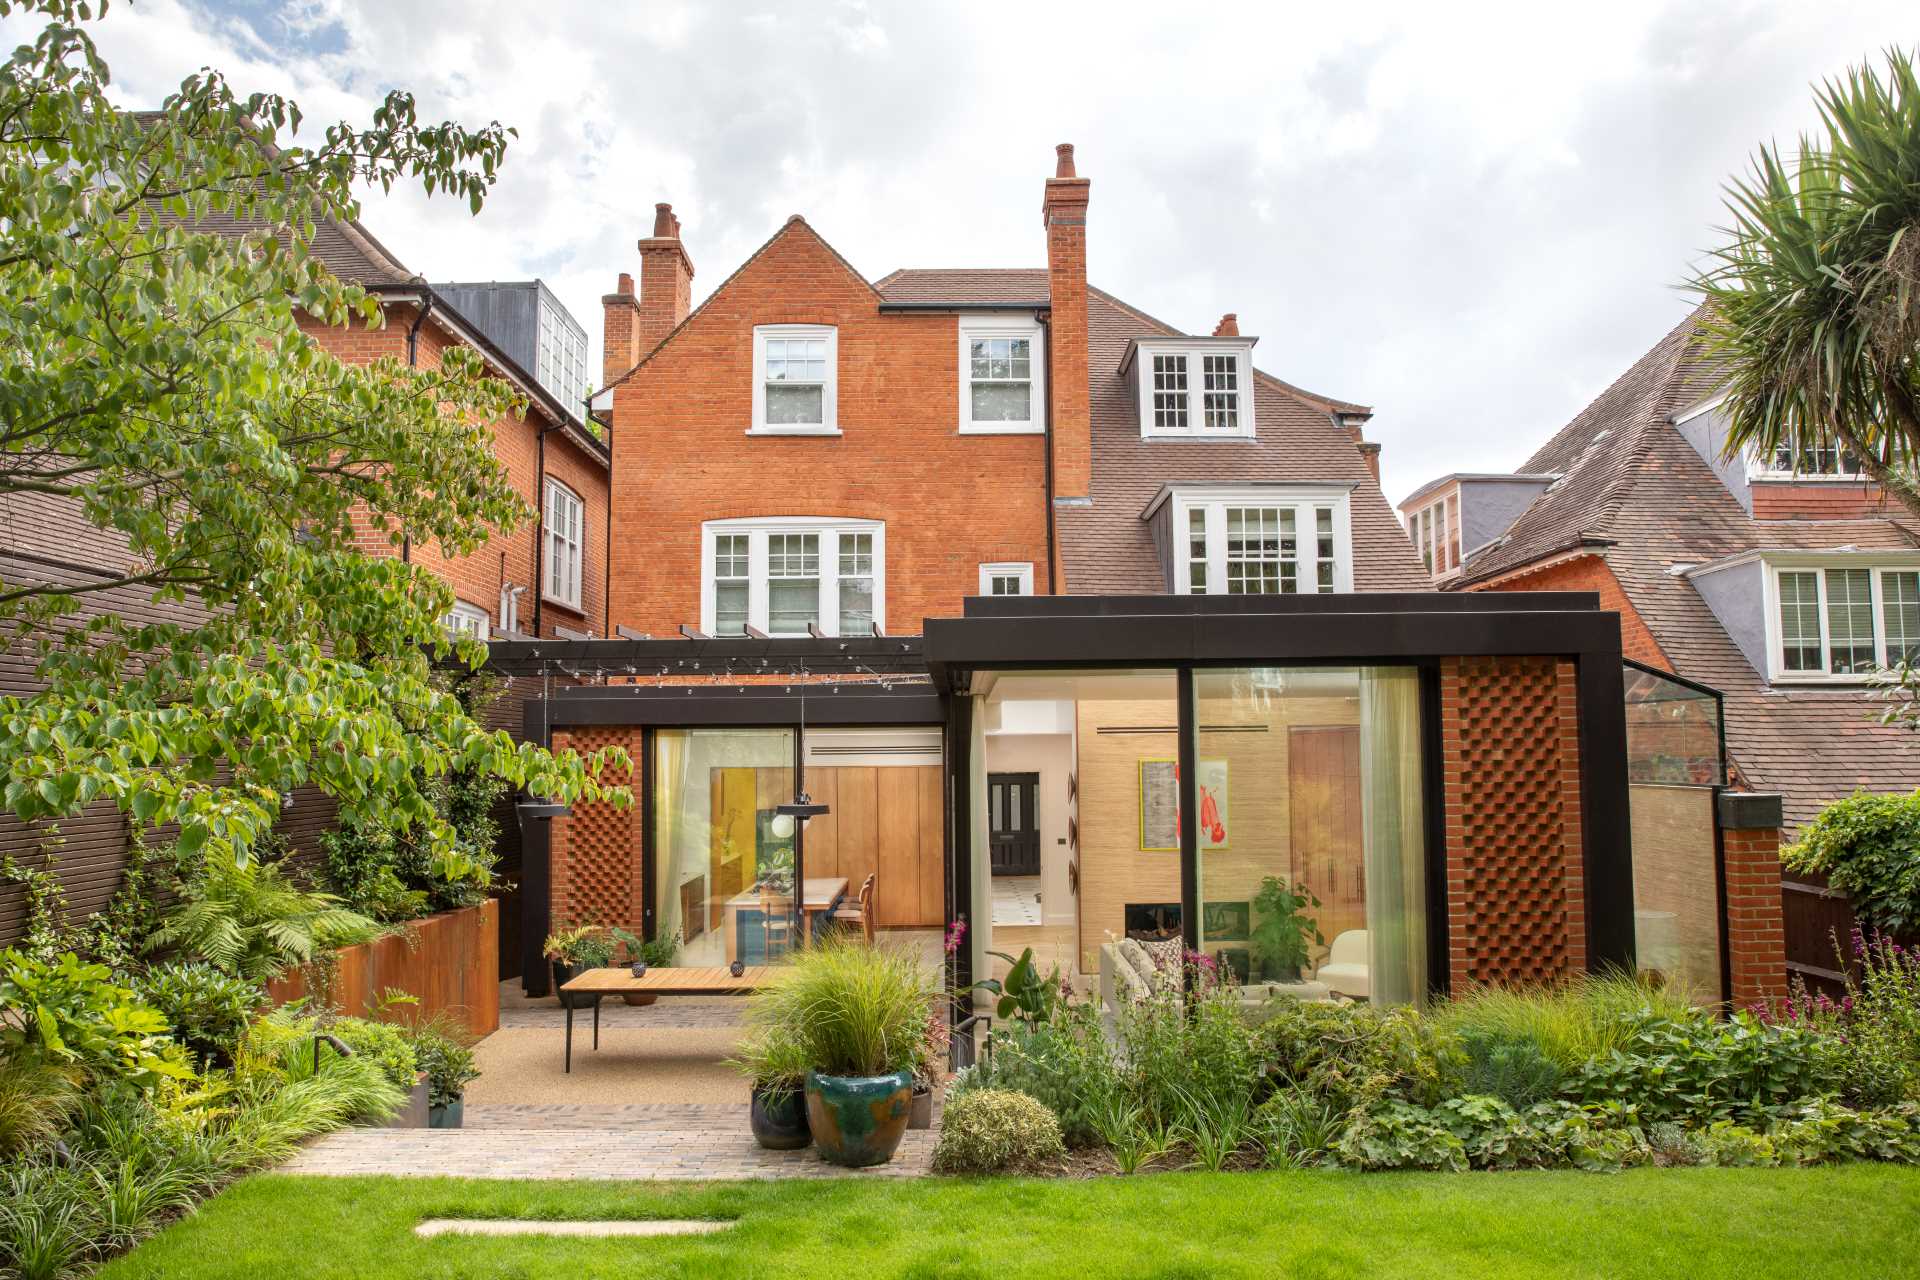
(1471, 217)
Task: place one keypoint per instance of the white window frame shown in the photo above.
(1305, 500)
(1021, 569)
(1879, 566)
(829, 425)
(1435, 531)
(468, 619)
(757, 529)
(997, 326)
(1196, 391)
(1759, 468)
(572, 537)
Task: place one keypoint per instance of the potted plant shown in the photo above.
(775, 1064)
(572, 950)
(444, 1051)
(857, 1017)
(644, 954)
(1281, 929)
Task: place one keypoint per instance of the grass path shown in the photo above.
(1857, 1221)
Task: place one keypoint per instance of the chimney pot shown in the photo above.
(665, 225)
(626, 285)
(1229, 326)
(1063, 165)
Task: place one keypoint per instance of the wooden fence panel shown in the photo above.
(451, 962)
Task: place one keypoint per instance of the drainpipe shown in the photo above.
(606, 590)
(539, 522)
(413, 361)
(1046, 362)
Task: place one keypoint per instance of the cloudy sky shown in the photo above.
(1471, 217)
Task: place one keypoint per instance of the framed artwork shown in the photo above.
(1160, 806)
(1226, 921)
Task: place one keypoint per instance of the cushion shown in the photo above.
(1134, 956)
(1165, 954)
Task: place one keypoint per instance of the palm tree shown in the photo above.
(1814, 303)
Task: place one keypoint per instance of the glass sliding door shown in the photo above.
(724, 861)
(1310, 830)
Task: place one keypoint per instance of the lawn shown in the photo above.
(1856, 1221)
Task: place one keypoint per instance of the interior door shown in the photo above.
(1323, 768)
(1013, 824)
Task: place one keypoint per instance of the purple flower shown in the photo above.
(956, 934)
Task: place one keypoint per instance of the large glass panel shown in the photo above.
(724, 861)
(1673, 731)
(1311, 830)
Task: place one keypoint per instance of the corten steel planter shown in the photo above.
(413, 1112)
(779, 1120)
(859, 1120)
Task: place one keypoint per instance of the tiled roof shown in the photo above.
(1648, 493)
(1107, 548)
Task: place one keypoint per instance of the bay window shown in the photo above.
(785, 574)
(1838, 621)
(565, 536)
(1293, 540)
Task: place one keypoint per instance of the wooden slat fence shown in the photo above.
(1819, 924)
(450, 961)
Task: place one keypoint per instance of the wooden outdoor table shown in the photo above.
(818, 894)
(660, 982)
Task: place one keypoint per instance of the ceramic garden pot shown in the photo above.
(858, 1120)
(564, 973)
(780, 1120)
(447, 1116)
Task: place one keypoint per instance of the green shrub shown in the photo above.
(1874, 1030)
(1510, 1068)
(382, 1044)
(1570, 1023)
(1297, 1130)
(1398, 1135)
(207, 1009)
(279, 1050)
(1351, 1055)
(359, 864)
(1821, 1132)
(1065, 1064)
(71, 1014)
(36, 1097)
(853, 1010)
(1868, 847)
(255, 922)
(1699, 1070)
(994, 1130)
(1176, 1058)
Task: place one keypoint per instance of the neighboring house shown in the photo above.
(548, 578)
(1064, 621)
(1777, 581)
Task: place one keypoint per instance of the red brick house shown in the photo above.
(1072, 624)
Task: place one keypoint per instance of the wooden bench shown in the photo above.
(660, 982)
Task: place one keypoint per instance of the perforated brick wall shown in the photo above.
(1516, 902)
(594, 854)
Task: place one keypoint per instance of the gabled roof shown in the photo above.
(1641, 499)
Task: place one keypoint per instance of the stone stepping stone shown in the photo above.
(535, 1227)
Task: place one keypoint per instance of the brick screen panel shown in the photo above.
(595, 852)
(1515, 884)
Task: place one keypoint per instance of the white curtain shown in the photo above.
(1391, 782)
(670, 780)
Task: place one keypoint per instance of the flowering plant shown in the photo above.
(1875, 1025)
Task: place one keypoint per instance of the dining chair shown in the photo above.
(859, 914)
(776, 922)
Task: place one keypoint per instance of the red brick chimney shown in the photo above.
(666, 280)
(1229, 326)
(620, 343)
(1064, 213)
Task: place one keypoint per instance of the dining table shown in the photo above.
(819, 895)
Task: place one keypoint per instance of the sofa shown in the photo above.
(1129, 973)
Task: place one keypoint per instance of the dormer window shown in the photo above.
(1277, 540)
(1194, 388)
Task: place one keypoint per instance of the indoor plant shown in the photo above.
(572, 950)
(1282, 927)
(857, 1017)
(650, 953)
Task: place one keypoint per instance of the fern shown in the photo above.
(254, 922)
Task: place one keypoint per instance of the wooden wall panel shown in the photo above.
(886, 821)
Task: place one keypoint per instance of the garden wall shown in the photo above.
(450, 961)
